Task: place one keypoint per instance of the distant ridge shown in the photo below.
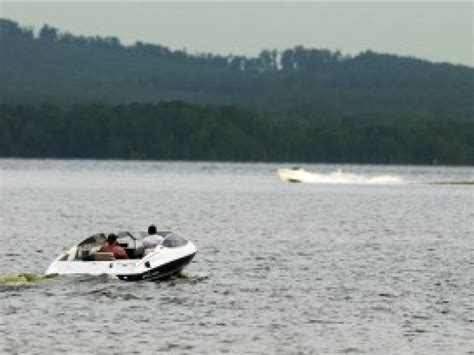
(298, 83)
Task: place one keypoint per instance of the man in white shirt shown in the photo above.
(152, 239)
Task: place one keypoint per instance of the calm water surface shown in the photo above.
(282, 268)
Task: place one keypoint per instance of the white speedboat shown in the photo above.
(337, 177)
(161, 262)
(295, 174)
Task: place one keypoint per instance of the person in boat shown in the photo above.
(113, 247)
(153, 238)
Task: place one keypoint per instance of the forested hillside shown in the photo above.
(305, 84)
(68, 96)
(181, 131)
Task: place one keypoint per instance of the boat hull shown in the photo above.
(159, 264)
(290, 175)
(161, 272)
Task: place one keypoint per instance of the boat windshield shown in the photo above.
(93, 240)
(173, 240)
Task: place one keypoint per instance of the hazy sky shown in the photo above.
(438, 31)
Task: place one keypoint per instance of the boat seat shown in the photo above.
(104, 256)
(139, 249)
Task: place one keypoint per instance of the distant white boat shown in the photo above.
(294, 174)
(299, 175)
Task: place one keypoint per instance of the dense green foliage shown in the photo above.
(307, 84)
(297, 105)
(180, 131)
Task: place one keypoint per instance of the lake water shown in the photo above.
(362, 265)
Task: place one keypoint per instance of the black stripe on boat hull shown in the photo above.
(161, 272)
(294, 180)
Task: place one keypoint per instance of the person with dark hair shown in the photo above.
(113, 247)
(153, 238)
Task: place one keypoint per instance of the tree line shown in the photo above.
(297, 83)
(183, 131)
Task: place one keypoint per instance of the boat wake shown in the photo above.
(338, 177)
(19, 281)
